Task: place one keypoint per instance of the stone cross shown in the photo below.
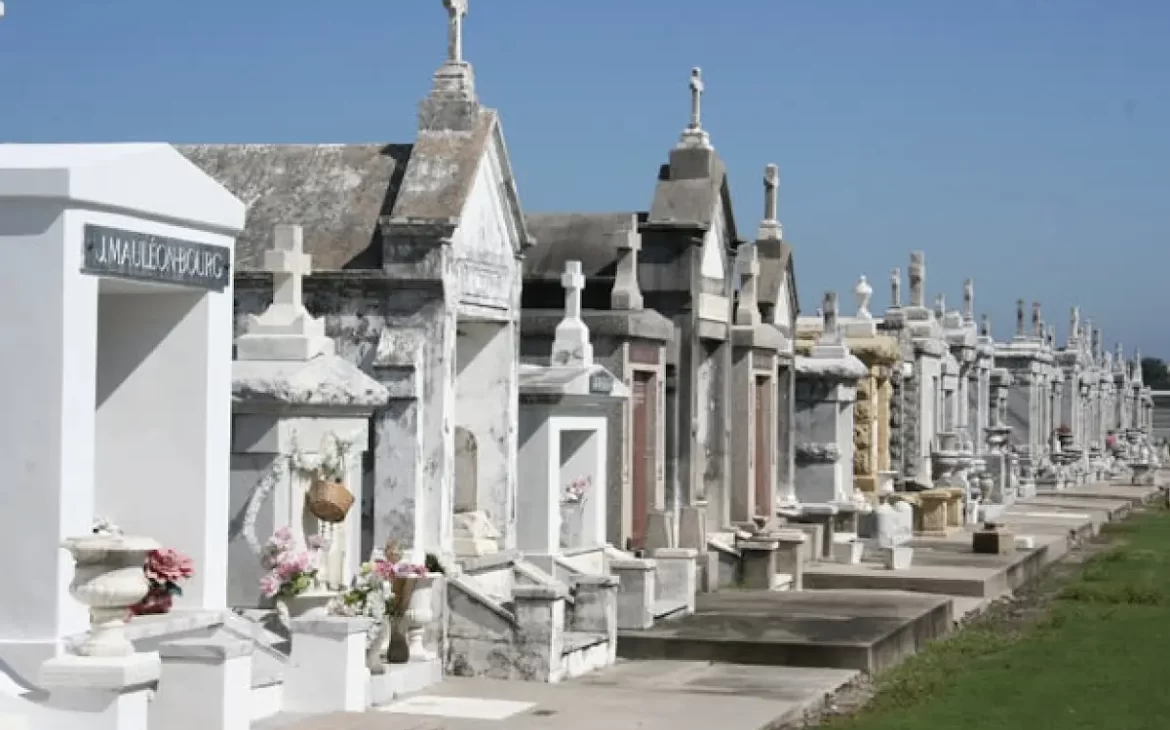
(1120, 349)
(969, 300)
(918, 279)
(940, 305)
(1074, 324)
(626, 294)
(456, 10)
(985, 325)
(862, 293)
(1036, 325)
(289, 264)
(1019, 318)
(771, 185)
(571, 346)
(574, 283)
(830, 334)
(747, 308)
(697, 89)
(895, 288)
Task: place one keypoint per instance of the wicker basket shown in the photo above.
(329, 501)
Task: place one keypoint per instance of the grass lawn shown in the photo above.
(1096, 656)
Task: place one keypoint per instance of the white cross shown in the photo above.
(289, 264)
(771, 184)
(573, 281)
(697, 88)
(456, 9)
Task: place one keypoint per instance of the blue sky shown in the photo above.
(1020, 142)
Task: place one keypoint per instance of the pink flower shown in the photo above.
(270, 585)
(169, 566)
(317, 542)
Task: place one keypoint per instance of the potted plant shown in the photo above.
(165, 570)
(291, 571)
(328, 498)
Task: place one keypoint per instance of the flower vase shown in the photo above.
(157, 602)
(379, 647)
(419, 615)
(402, 589)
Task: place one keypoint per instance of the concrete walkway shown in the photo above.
(644, 695)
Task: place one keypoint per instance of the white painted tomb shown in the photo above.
(118, 285)
(563, 438)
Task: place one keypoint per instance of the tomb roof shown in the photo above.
(151, 179)
(336, 192)
(591, 238)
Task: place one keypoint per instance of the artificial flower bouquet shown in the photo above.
(291, 569)
(165, 570)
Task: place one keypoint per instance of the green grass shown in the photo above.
(1095, 657)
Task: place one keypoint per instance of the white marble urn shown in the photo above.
(108, 579)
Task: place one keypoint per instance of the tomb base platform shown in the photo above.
(868, 631)
(653, 695)
(945, 566)
(1114, 509)
(1134, 495)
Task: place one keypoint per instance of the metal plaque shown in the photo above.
(144, 257)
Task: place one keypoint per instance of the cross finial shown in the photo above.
(771, 184)
(940, 305)
(289, 264)
(969, 300)
(571, 344)
(918, 279)
(697, 89)
(895, 287)
(1074, 324)
(626, 293)
(985, 325)
(747, 308)
(1019, 318)
(456, 10)
(830, 333)
(1036, 331)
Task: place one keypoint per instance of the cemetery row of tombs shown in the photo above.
(379, 424)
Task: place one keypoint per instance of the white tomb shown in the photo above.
(563, 438)
(118, 287)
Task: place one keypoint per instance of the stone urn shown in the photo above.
(420, 615)
(108, 580)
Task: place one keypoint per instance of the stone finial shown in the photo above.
(1036, 324)
(771, 186)
(985, 325)
(831, 333)
(1074, 324)
(456, 10)
(863, 292)
(969, 300)
(626, 293)
(285, 331)
(895, 288)
(918, 279)
(1019, 318)
(571, 346)
(1095, 342)
(1119, 357)
(770, 229)
(694, 135)
(747, 307)
(940, 305)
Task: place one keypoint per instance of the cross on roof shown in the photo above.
(697, 89)
(456, 10)
(289, 265)
(573, 281)
(771, 184)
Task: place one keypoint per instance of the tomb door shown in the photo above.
(644, 427)
(763, 470)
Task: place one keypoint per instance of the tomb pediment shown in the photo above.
(121, 177)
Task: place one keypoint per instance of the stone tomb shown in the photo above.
(118, 284)
(563, 440)
(297, 406)
(628, 340)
